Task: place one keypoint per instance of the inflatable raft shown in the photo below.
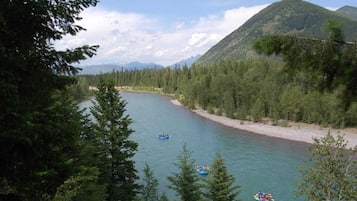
(263, 196)
(202, 170)
(163, 136)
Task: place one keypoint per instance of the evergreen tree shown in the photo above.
(332, 63)
(150, 192)
(38, 129)
(117, 151)
(163, 197)
(220, 184)
(332, 174)
(291, 101)
(228, 103)
(257, 110)
(76, 185)
(93, 189)
(186, 183)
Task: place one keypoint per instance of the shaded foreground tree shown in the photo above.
(39, 129)
(220, 184)
(331, 173)
(150, 187)
(116, 151)
(186, 182)
(149, 192)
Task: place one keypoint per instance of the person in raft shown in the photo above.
(163, 135)
(263, 196)
(202, 168)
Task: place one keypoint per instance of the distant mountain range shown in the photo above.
(286, 17)
(105, 68)
(348, 11)
(293, 17)
(188, 62)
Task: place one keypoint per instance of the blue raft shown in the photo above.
(263, 196)
(163, 136)
(202, 170)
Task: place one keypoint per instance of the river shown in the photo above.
(258, 162)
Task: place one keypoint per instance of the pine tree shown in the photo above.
(220, 184)
(186, 183)
(150, 192)
(93, 189)
(38, 129)
(331, 173)
(116, 151)
(163, 197)
(332, 63)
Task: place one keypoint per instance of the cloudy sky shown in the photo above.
(164, 31)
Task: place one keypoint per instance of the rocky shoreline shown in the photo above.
(296, 132)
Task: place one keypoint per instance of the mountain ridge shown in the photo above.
(348, 11)
(186, 62)
(292, 17)
(106, 68)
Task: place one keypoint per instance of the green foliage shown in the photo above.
(331, 173)
(286, 17)
(257, 110)
(220, 184)
(80, 89)
(228, 103)
(89, 164)
(291, 100)
(163, 197)
(251, 89)
(317, 74)
(116, 151)
(150, 192)
(40, 126)
(76, 184)
(186, 182)
(332, 63)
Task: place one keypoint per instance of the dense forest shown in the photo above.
(251, 89)
(52, 151)
(314, 81)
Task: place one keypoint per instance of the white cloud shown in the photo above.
(196, 38)
(179, 25)
(127, 37)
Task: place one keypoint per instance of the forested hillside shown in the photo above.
(287, 17)
(245, 90)
(348, 11)
(52, 151)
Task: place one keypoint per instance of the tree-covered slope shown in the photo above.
(348, 11)
(294, 17)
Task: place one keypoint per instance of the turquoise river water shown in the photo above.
(258, 163)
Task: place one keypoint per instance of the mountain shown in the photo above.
(294, 17)
(348, 11)
(139, 65)
(98, 69)
(106, 68)
(188, 62)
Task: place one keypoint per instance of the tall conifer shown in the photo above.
(186, 183)
(150, 192)
(220, 184)
(38, 129)
(112, 127)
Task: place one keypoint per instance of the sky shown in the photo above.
(164, 31)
